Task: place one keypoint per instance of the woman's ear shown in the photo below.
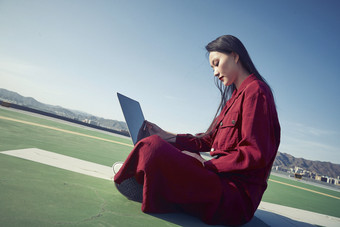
(236, 57)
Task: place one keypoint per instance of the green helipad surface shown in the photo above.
(34, 194)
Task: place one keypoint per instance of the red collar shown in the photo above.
(236, 92)
(245, 83)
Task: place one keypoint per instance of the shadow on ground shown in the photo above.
(261, 219)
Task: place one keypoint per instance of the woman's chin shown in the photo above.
(226, 83)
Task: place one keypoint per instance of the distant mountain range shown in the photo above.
(13, 97)
(322, 168)
(282, 159)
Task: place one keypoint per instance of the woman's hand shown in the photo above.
(156, 130)
(195, 155)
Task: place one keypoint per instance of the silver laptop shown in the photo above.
(133, 115)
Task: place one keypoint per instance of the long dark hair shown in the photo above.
(227, 44)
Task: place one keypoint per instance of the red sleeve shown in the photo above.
(258, 145)
(192, 143)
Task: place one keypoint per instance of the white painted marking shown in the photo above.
(63, 162)
(278, 215)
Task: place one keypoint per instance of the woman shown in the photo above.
(166, 173)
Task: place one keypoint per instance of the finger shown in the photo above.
(148, 124)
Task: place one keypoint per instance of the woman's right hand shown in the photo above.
(153, 128)
(156, 130)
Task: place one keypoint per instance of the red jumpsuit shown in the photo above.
(229, 188)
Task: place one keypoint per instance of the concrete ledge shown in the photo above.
(63, 162)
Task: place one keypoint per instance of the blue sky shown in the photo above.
(78, 54)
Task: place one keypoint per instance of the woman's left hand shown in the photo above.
(195, 155)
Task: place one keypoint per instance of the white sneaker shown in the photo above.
(131, 189)
(116, 167)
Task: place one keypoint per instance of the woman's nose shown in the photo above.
(216, 73)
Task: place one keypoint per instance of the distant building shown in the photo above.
(298, 170)
(280, 168)
(324, 179)
(91, 122)
(298, 175)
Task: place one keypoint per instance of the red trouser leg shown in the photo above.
(172, 179)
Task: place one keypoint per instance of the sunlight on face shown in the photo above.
(224, 67)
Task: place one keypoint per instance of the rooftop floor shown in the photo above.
(66, 180)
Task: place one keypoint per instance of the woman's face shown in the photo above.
(224, 66)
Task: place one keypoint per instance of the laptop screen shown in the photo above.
(133, 115)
